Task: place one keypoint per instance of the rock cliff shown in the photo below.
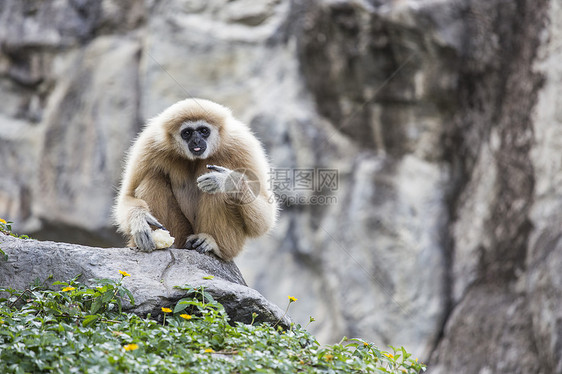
(439, 119)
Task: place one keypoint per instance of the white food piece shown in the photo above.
(162, 239)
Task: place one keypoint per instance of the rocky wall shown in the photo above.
(439, 118)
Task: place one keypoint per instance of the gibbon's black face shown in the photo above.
(196, 137)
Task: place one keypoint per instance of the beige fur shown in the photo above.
(160, 181)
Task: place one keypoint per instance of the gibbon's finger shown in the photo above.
(144, 241)
(210, 176)
(197, 242)
(154, 222)
(204, 248)
(194, 242)
(204, 177)
(205, 184)
(220, 169)
(209, 185)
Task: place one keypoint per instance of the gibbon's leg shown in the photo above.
(219, 224)
(156, 191)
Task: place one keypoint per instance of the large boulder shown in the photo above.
(153, 280)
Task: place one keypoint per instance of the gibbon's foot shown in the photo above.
(202, 243)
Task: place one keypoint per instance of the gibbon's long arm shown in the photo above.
(133, 214)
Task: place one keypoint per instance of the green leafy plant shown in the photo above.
(80, 328)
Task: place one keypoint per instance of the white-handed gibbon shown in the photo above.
(201, 174)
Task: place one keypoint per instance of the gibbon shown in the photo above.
(201, 174)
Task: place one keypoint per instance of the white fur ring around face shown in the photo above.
(162, 239)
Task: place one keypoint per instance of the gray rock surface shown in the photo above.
(153, 280)
(441, 117)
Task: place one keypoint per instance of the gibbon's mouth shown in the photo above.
(197, 151)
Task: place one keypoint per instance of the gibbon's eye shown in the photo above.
(186, 134)
(204, 131)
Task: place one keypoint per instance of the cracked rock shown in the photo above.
(153, 279)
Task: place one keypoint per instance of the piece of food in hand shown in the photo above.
(162, 239)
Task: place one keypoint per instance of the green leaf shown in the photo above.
(119, 306)
(180, 306)
(96, 305)
(90, 320)
(107, 296)
(4, 255)
(208, 298)
(129, 294)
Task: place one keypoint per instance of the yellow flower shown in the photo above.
(185, 316)
(365, 344)
(68, 289)
(292, 299)
(329, 357)
(130, 347)
(1, 322)
(167, 310)
(388, 355)
(2, 221)
(124, 273)
(209, 350)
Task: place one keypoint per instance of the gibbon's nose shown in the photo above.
(196, 144)
(197, 147)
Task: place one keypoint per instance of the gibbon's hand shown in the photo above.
(143, 240)
(215, 181)
(221, 180)
(143, 235)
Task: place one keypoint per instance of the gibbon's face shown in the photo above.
(199, 137)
